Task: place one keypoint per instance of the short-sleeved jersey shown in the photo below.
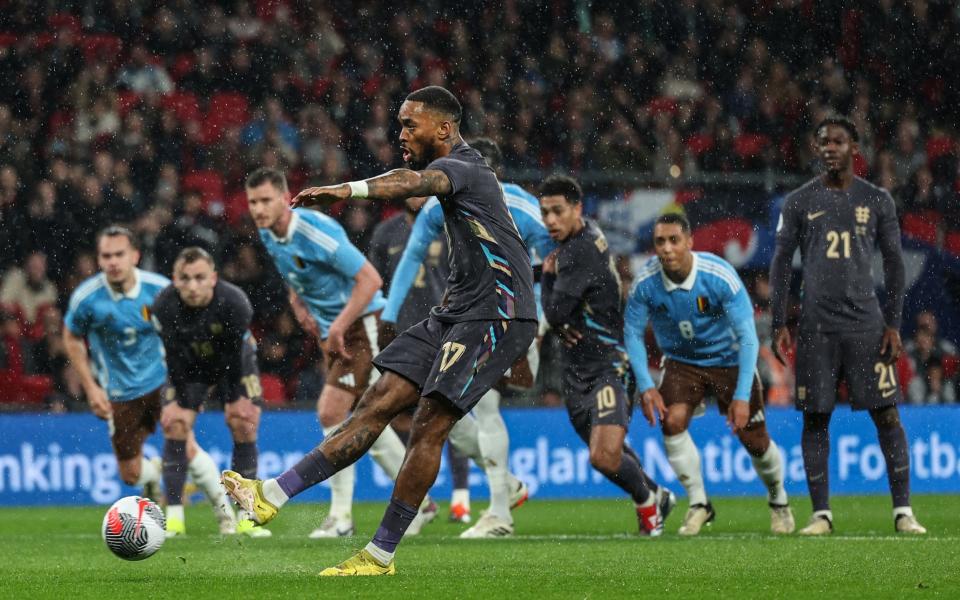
(125, 352)
(203, 344)
(490, 273)
(837, 232)
(706, 320)
(584, 294)
(319, 263)
(430, 277)
(523, 208)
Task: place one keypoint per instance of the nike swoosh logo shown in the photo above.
(901, 469)
(816, 477)
(888, 393)
(394, 249)
(603, 413)
(812, 216)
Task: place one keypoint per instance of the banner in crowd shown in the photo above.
(66, 459)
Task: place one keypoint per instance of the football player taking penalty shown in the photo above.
(703, 322)
(445, 363)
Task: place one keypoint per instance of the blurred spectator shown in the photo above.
(28, 289)
(281, 347)
(926, 323)
(929, 386)
(143, 76)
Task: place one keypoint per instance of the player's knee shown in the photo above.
(887, 417)
(129, 471)
(673, 424)
(605, 460)
(332, 413)
(243, 426)
(175, 428)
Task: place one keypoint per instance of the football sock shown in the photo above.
(148, 473)
(309, 471)
(175, 512)
(769, 467)
(465, 437)
(244, 460)
(273, 492)
(459, 469)
(902, 510)
(174, 469)
(896, 452)
(815, 443)
(630, 479)
(685, 460)
(341, 486)
(395, 521)
(388, 451)
(495, 447)
(461, 496)
(652, 485)
(206, 475)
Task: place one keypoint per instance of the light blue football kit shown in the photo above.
(126, 353)
(706, 321)
(318, 261)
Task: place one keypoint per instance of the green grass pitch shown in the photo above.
(568, 549)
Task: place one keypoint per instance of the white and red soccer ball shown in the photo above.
(134, 528)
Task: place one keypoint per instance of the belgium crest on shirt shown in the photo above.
(703, 304)
(298, 261)
(145, 312)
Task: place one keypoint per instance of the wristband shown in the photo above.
(358, 189)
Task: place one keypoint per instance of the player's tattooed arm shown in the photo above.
(398, 184)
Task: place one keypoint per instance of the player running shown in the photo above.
(445, 363)
(484, 435)
(583, 304)
(703, 321)
(837, 220)
(204, 323)
(335, 293)
(124, 373)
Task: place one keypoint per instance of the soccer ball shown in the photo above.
(134, 528)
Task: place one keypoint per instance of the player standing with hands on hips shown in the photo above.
(837, 219)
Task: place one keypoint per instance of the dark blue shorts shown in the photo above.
(458, 362)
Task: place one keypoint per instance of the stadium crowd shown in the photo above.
(152, 113)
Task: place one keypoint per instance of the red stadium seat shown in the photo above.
(185, 104)
(64, 20)
(102, 47)
(8, 39)
(126, 101)
(208, 183)
(700, 143)
(274, 393)
(227, 109)
(936, 147)
(951, 364)
(921, 226)
(181, 66)
(662, 104)
(750, 145)
(951, 242)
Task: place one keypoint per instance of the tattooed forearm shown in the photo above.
(404, 183)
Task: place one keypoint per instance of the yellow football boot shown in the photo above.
(363, 564)
(248, 493)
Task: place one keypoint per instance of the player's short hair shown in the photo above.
(489, 150)
(192, 254)
(840, 121)
(674, 218)
(116, 231)
(438, 99)
(267, 175)
(562, 185)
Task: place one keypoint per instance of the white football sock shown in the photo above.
(175, 511)
(461, 496)
(382, 556)
(388, 450)
(495, 447)
(341, 486)
(205, 474)
(685, 460)
(465, 437)
(769, 467)
(149, 473)
(902, 510)
(273, 493)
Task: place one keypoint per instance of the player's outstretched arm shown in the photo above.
(393, 185)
